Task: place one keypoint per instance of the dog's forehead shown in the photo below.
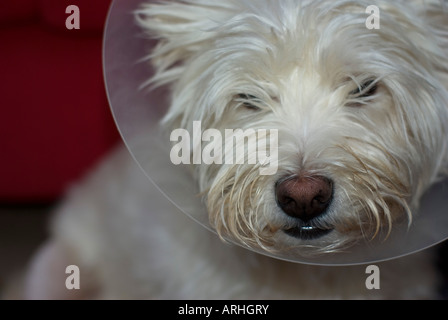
(314, 37)
(320, 40)
(301, 21)
(311, 27)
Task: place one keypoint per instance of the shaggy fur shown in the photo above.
(300, 61)
(366, 108)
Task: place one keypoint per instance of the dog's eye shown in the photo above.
(367, 89)
(249, 101)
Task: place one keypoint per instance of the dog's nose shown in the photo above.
(304, 197)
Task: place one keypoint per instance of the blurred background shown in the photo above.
(55, 122)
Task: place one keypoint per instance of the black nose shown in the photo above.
(304, 197)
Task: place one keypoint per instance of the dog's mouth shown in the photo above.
(307, 232)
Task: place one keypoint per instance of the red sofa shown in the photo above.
(55, 120)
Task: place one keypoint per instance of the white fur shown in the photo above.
(301, 60)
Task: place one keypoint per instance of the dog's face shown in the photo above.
(359, 115)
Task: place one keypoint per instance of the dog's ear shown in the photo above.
(182, 29)
(428, 32)
(436, 16)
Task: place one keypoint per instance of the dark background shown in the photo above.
(55, 122)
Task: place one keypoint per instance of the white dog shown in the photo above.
(361, 116)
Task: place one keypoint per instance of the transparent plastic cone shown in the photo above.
(138, 111)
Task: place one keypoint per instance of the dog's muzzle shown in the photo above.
(304, 199)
